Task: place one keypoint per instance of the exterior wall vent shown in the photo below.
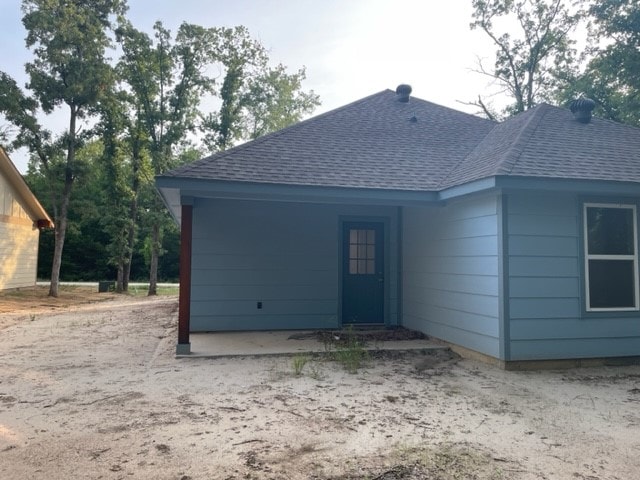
(582, 108)
(403, 92)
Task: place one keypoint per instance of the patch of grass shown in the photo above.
(137, 291)
(351, 353)
(346, 347)
(351, 359)
(298, 363)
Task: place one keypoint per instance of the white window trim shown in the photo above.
(588, 257)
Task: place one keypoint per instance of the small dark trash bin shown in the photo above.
(104, 286)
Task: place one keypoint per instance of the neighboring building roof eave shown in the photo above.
(30, 203)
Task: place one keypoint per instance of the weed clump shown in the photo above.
(298, 363)
(351, 352)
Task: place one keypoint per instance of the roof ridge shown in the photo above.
(277, 133)
(537, 113)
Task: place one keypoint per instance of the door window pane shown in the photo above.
(371, 237)
(362, 250)
(353, 267)
(362, 266)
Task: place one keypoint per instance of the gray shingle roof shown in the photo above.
(373, 143)
(547, 142)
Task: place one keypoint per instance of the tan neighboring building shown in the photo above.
(21, 218)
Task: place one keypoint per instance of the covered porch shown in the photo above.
(299, 259)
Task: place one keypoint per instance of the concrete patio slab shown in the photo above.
(242, 344)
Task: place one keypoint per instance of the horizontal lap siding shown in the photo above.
(284, 255)
(18, 255)
(545, 290)
(450, 273)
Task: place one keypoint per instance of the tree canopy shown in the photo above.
(542, 62)
(69, 41)
(611, 76)
(164, 99)
(529, 61)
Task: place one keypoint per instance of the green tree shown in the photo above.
(165, 79)
(91, 251)
(116, 193)
(242, 58)
(527, 65)
(85, 256)
(149, 112)
(612, 75)
(275, 99)
(69, 41)
(255, 98)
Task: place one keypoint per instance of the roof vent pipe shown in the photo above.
(582, 108)
(403, 91)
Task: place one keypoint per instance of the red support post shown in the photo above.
(184, 309)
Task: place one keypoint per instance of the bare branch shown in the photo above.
(485, 109)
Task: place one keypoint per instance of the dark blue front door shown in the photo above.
(363, 272)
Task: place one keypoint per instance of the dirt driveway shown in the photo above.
(94, 392)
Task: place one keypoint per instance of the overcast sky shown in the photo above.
(350, 48)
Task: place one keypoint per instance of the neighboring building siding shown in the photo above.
(10, 208)
(450, 265)
(545, 290)
(18, 242)
(284, 255)
(18, 255)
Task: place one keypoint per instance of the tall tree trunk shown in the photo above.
(120, 276)
(131, 240)
(133, 217)
(60, 234)
(126, 269)
(61, 221)
(155, 254)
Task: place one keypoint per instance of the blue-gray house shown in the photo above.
(517, 240)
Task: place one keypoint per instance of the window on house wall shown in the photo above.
(611, 257)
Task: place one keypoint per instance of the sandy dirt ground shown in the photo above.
(93, 391)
